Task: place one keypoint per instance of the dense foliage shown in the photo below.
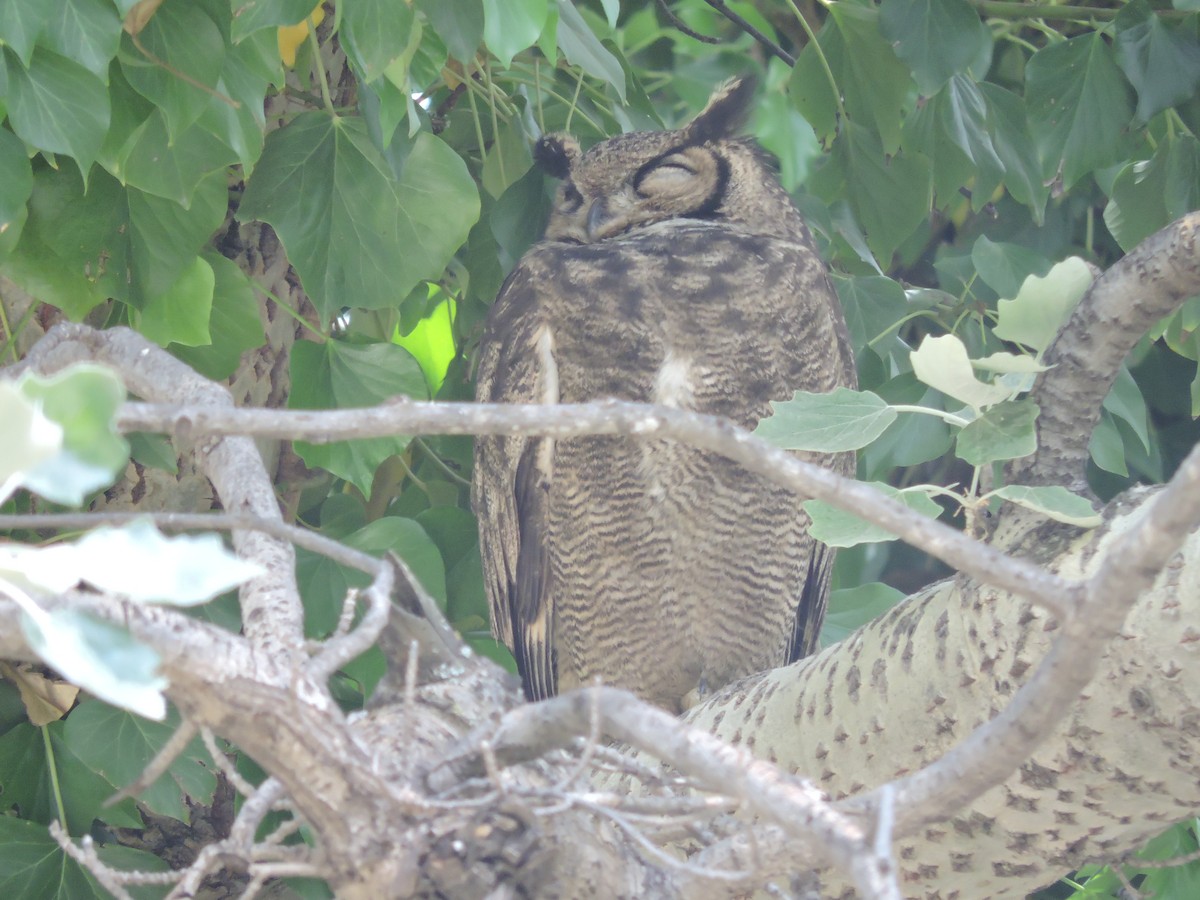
(944, 151)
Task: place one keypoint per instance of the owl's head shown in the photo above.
(701, 171)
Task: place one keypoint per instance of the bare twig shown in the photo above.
(166, 755)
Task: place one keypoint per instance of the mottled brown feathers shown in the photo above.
(674, 270)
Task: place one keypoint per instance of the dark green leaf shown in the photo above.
(872, 80)
(57, 105)
(891, 196)
(964, 120)
(936, 38)
(335, 375)
(356, 235)
(1079, 106)
(1149, 194)
(33, 865)
(16, 182)
(1013, 142)
(1004, 267)
(118, 746)
(1162, 63)
(375, 32)
(851, 608)
(87, 31)
(460, 25)
(182, 36)
(873, 306)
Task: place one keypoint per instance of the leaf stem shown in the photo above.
(52, 766)
(948, 418)
(322, 77)
(815, 44)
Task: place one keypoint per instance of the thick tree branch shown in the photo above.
(1150, 282)
(271, 610)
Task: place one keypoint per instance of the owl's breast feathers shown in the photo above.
(659, 568)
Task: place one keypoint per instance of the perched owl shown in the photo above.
(674, 270)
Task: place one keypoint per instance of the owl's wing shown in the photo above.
(814, 598)
(511, 485)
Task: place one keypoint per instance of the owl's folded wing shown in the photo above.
(511, 486)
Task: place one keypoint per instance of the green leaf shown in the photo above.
(323, 583)
(826, 423)
(164, 236)
(33, 865)
(103, 659)
(432, 344)
(375, 32)
(250, 16)
(27, 774)
(459, 25)
(1004, 267)
(509, 26)
(1125, 401)
(1107, 447)
(1036, 314)
(935, 38)
(181, 313)
(1150, 194)
(16, 182)
(852, 608)
(182, 36)
(21, 24)
(874, 83)
(583, 49)
(119, 746)
(356, 235)
(873, 306)
(171, 168)
(964, 121)
(1006, 431)
(891, 196)
(838, 528)
(57, 105)
(86, 31)
(234, 323)
(1079, 106)
(1014, 144)
(1054, 501)
(82, 400)
(335, 375)
(942, 363)
(508, 160)
(910, 440)
(1162, 63)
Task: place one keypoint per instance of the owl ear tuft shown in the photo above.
(556, 153)
(726, 112)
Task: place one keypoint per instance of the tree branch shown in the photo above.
(1148, 283)
(616, 417)
(271, 608)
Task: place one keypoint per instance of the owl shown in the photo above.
(674, 270)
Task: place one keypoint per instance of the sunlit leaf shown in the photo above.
(942, 363)
(1005, 431)
(1036, 314)
(838, 528)
(1054, 501)
(828, 423)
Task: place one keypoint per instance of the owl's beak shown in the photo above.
(596, 218)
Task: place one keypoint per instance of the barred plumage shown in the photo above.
(674, 270)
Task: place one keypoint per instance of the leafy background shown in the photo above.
(943, 151)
